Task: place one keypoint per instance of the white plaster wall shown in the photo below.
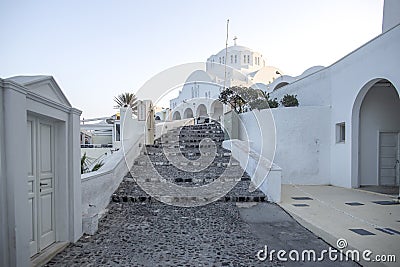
(97, 187)
(3, 199)
(258, 127)
(312, 90)
(302, 141)
(391, 14)
(379, 58)
(379, 112)
(342, 86)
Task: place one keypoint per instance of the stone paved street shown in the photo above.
(139, 230)
(218, 234)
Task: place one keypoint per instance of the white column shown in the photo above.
(75, 192)
(3, 191)
(15, 160)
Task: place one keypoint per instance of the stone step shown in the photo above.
(190, 163)
(170, 199)
(181, 146)
(186, 154)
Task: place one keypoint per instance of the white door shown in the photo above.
(389, 158)
(41, 183)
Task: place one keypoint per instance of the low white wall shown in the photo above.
(302, 142)
(264, 174)
(98, 186)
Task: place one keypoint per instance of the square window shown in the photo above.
(340, 132)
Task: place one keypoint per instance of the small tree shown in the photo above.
(233, 97)
(272, 103)
(126, 100)
(290, 101)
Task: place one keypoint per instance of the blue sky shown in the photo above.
(97, 49)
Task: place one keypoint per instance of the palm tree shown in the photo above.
(126, 100)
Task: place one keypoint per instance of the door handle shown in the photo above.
(42, 184)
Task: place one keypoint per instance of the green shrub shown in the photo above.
(290, 101)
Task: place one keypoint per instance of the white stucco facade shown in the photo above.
(199, 94)
(360, 93)
(39, 144)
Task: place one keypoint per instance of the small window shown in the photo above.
(340, 132)
(235, 58)
(117, 132)
(248, 59)
(244, 58)
(231, 58)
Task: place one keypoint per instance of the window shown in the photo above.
(340, 132)
(117, 132)
(248, 59)
(235, 58)
(231, 58)
(219, 60)
(244, 58)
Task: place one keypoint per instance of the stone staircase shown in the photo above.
(187, 166)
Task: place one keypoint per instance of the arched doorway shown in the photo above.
(188, 113)
(176, 116)
(217, 109)
(201, 111)
(375, 135)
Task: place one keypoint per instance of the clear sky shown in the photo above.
(97, 49)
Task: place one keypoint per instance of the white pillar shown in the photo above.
(15, 160)
(74, 156)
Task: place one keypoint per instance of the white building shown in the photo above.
(40, 182)
(346, 130)
(240, 65)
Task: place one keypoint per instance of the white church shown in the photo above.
(234, 66)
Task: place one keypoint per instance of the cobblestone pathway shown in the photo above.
(139, 230)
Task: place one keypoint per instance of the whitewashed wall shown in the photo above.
(391, 14)
(97, 187)
(302, 141)
(312, 90)
(343, 86)
(3, 202)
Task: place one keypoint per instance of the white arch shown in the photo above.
(201, 111)
(356, 140)
(177, 115)
(188, 113)
(217, 109)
